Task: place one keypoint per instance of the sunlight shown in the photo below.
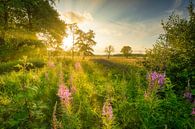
(67, 42)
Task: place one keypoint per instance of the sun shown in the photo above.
(67, 42)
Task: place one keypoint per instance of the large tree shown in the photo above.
(85, 42)
(30, 17)
(175, 49)
(109, 50)
(126, 50)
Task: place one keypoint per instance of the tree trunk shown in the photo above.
(5, 18)
(108, 56)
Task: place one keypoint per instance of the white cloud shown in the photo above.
(139, 35)
(77, 17)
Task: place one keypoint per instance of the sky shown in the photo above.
(135, 23)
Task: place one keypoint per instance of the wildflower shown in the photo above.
(193, 111)
(188, 95)
(157, 77)
(161, 79)
(64, 94)
(107, 111)
(78, 66)
(154, 76)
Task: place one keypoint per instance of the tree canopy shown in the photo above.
(174, 51)
(126, 50)
(109, 50)
(85, 42)
(30, 16)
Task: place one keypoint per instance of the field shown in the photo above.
(51, 76)
(92, 93)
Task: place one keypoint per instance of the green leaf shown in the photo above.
(193, 91)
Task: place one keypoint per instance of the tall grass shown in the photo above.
(88, 94)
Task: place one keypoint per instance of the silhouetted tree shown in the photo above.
(109, 50)
(85, 42)
(126, 50)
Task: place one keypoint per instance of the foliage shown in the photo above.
(11, 65)
(31, 17)
(50, 90)
(174, 51)
(126, 50)
(88, 94)
(85, 42)
(109, 50)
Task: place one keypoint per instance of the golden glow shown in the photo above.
(67, 42)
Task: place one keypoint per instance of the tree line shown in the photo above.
(126, 51)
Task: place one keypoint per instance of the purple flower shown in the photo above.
(107, 111)
(154, 76)
(157, 77)
(161, 79)
(188, 95)
(64, 94)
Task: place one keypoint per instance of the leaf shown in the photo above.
(193, 91)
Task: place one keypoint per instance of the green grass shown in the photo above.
(28, 98)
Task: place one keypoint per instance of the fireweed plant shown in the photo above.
(107, 115)
(156, 82)
(94, 94)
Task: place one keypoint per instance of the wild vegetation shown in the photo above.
(41, 86)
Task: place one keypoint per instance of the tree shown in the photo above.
(31, 17)
(74, 30)
(126, 50)
(85, 42)
(174, 52)
(109, 50)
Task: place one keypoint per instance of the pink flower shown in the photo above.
(64, 94)
(107, 111)
(160, 78)
(193, 111)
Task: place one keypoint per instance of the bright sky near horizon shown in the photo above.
(136, 23)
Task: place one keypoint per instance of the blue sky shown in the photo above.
(136, 23)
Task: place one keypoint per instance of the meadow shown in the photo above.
(93, 93)
(52, 78)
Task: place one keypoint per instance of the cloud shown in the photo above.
(77, 17)
(139, 35)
